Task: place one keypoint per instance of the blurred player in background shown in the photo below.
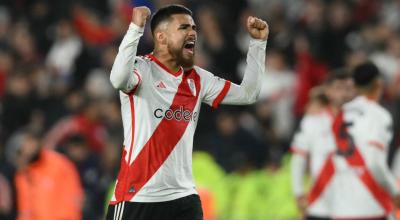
(314, 141)
(365, 188)
(161, 95)
(353, 180)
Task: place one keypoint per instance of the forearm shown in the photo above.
(298, 170)
(390, 183)
(383, 173)
(247, 92)
(122, 76)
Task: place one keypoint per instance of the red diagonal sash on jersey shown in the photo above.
(354, 158)
(157, 149)
(322, 180)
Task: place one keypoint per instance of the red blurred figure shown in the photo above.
(86, 124)
(47, 183)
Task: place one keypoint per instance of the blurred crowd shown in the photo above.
(55, 60)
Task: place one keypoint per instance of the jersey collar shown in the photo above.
(153, 58)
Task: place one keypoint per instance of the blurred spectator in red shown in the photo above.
(87, 123)
(207, 204)
(311, 66)
(47, 183)
(97, 31)
(6, 63)
(366, 10)
(90, 27)
(310, 73)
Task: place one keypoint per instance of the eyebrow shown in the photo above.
(184, 26)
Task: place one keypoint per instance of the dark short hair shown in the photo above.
(365, 74)
(338, 74)
(165, 13)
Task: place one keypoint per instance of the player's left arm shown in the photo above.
(379, 143)
(247, 92)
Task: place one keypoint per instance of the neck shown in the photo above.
(333, 109)
(373, 96)
(167, 60)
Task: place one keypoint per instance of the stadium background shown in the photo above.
(55, 59)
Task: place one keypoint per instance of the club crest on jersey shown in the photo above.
(192, 86)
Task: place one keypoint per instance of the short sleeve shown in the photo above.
(302, 139)
(215, 88)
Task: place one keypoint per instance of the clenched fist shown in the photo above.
(257, 28)
(140, 15)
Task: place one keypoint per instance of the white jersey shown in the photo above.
(160, 110)
(346, 195)
(370, 126)
(315, 141)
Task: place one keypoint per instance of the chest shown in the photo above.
(165, 89)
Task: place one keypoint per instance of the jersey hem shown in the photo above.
(147, 199)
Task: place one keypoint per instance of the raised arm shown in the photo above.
(122, 75)
(247, 92)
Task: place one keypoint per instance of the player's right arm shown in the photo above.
(123, 76)
(300, 150)
(379, 141)
(298, 172)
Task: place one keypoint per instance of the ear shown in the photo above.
(161, 37)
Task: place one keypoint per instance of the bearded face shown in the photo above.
(181, 40)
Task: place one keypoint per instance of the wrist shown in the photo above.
(135, 27)
(258, 42)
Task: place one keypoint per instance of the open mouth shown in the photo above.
(189, 46)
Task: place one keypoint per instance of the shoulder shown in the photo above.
(315, 118)
(58, 160)
(371, 109)
(207, 77)
(380, 113)
(142, 62)
(311, 121)
(202, 72)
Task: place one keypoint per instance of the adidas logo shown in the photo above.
(161, 85)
